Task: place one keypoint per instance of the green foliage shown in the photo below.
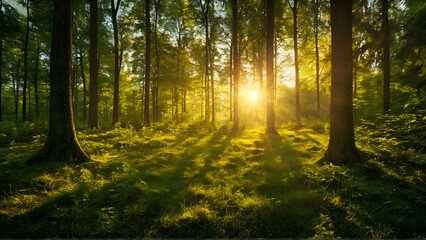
(198, 181)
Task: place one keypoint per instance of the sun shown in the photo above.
(253, 95)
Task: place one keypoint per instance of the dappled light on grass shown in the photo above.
(200, 183)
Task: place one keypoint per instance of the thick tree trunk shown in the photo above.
(1, 83)
(147, 60)
(115, 111)
(61, 144)
(1, 61)
(235, 126)
(341, 148)
(93, 54)
(24, 88)
(386, 55)
(270, 113)
(296, 63)
(317, 76)
(83, 76)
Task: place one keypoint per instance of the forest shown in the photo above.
(212, 119)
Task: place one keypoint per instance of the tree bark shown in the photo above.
(341, 148)
(17, 91)
(296, 63)
(24, 87)
(235, 126)
(317, 75)
(115, 111)
(386, 56)
(270, 113)
(61, 144)
(1, 61)
(147, 60)
(93, 54)
(36, 86)
(157, 63)
(83, 76)
(230, 83)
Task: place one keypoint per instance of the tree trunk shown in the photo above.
(270, 113)
(207, 64)
(83, 76)
(296, 63)
(1, 61)
(260, 63)
(115, 111)
(236, 64)
(93, 54)
(386, 56)
(61, 144)
(341, 148)
(212, 81)
(317, 57)
(17, 91)
(36, 86)
(230, 83)
(24, 88)
(157, 64)
(147, 61)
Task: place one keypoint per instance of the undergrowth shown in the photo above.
(198, 181)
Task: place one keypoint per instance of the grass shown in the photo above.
(192, 181)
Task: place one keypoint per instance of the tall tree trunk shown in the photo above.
(115, 111)
(341, 147)
(230, 83)
(147, 60)
(83, 76)
(17, 91)
(76, 77)
(207, 63)
(386, 55)
(24, 88)
(61, 144)
(260, 63)
(212, 80)
(270, 113)
(1, 61)
(93, 54)
(157, 64)
(36, 85)
(235, 126)
(296, 63)
(317, 75)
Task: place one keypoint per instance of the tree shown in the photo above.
(341, 148)
(24, 88)
(317, 70)
(157, 64)
(296, 60)
(114, 11)
(61, 143)
(386, 54)
(147, 60)
(93, 55)
(270, 113)
(236, 63)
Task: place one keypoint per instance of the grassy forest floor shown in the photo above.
(203, 182)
